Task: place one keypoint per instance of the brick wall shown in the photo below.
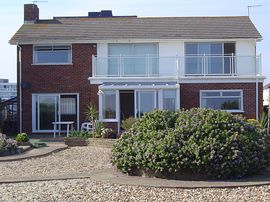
(190, 95)
(58, 79)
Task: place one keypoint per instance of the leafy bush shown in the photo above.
(7, 146)
(128, 123)
(22, 137)
(201, 142)
(100, 130)
(82, 134)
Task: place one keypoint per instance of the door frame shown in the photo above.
(35, 112)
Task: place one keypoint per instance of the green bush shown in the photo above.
(22, 137)
(200, 142)
(128, 123)
(82, 134)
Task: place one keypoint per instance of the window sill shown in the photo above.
(108, 120)
(52, 64)
(235, 111)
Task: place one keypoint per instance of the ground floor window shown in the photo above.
(48, 108)
(230, 100)
(146, 102)
(109, 104)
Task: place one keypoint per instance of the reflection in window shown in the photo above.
(169, 100)
(222, 100)
(52, 54)
(109, 104)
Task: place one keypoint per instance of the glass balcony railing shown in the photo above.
(177, 66)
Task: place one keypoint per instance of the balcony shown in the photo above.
(175, 67)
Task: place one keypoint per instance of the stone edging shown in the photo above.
(101, 142)
(111, 176)
(34, 153)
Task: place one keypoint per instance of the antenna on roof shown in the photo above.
(35, 2)
(252, 6)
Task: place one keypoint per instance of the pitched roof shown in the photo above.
(85, 28)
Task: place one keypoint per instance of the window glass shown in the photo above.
(146, 102)
(169, 100)
(231, 93)
(211, 93)
(52, 54)
(227, 100)
(191, 48)
(134, 59)
(109, 105)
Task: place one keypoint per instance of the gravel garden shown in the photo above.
(195, 143)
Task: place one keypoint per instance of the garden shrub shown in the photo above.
(7, 146)
(22, 137)
(128, 123)
(200, 142)
(81, 134)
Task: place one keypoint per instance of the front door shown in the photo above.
(126, 104)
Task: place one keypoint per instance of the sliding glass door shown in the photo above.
(48, 108)
(133, 59)
(47, 111)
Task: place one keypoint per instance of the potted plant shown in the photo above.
(77, 138)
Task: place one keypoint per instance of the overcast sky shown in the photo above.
(11, 18)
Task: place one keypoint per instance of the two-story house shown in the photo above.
(128, 65)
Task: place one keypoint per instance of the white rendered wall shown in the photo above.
(102, 52)
(246, 57)
(167, 61)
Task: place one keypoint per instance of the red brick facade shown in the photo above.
(58, 79)
(74, 79)
(190, 95)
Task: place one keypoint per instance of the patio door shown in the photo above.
(47, 111)
(48, 108)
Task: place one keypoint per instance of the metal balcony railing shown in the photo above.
(176, 66)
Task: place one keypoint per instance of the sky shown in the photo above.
(11, 18)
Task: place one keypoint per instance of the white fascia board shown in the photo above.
(212, 79)
(125, 41)
(132, 87)
(100, 80)
(235, 79)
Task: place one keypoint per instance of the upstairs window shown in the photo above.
(209, 58)
(52, 54)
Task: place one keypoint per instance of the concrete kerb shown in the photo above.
(111, 176)
(35, 153)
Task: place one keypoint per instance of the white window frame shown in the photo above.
(34, 111)
(241, 110)
(117, 118)
(137, 105)
(53, 45)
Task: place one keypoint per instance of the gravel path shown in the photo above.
(88, 190)
(87, 159)
(72, 160)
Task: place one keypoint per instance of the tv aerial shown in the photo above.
(252, 6)
(35, 2)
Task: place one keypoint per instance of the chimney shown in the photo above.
(31, 13)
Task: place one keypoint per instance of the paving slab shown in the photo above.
(34, 153)
(114, 177)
